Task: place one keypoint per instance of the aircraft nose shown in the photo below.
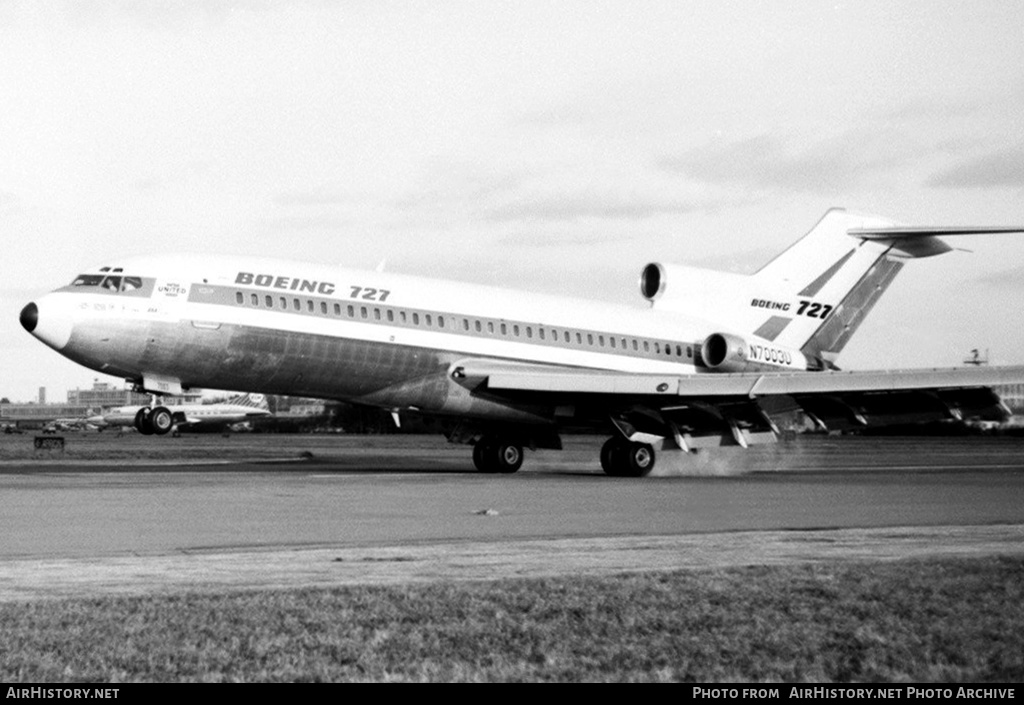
(50, 319)
(29, 317)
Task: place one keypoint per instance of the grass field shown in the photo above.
(956, 620)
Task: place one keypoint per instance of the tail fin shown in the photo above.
(814, 295)
(836, 273)
(831, 282)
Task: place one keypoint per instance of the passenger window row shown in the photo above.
(503, 329)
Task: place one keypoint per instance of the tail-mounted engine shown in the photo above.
(702, 293)
(725, 352)
(652, 281)
(711, 295)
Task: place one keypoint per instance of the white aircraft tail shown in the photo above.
(255, 401)
(830, 281)
(813, 296)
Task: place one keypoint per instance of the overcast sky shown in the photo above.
(553, 145)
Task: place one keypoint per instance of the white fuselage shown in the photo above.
(383, 339)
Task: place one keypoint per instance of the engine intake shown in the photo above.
(725, 352)
(652, 281)
(720, 348)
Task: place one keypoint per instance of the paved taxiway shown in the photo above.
(384, 511)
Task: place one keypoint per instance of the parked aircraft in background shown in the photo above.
(712, 362)
(66, 424)
(161, 419)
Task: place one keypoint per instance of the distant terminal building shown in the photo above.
(42, 413)
(105, 395)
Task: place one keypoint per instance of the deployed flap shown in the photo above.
(846, 410)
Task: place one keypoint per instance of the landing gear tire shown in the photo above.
(496, 456)
(142, 424)
(622, 458)
(481, 457)
(508, 457)
(160, 420)
(611, 451)
(639, 460)
(157, 420)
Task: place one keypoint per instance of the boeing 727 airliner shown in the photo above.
(711, 362)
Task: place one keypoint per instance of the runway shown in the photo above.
(392, 509)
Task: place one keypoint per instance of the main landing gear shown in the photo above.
(492, 455)
(619, 457)
(624, 458)
(156, 420)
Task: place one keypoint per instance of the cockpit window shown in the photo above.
(87, 280)
(114, 283)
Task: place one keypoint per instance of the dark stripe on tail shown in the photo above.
(771, 328)
(815, 286)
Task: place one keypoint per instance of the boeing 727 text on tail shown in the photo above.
(712, 362)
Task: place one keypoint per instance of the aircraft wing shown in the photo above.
(745, 407)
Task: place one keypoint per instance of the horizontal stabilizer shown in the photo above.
(923, 241)
(889, 233)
